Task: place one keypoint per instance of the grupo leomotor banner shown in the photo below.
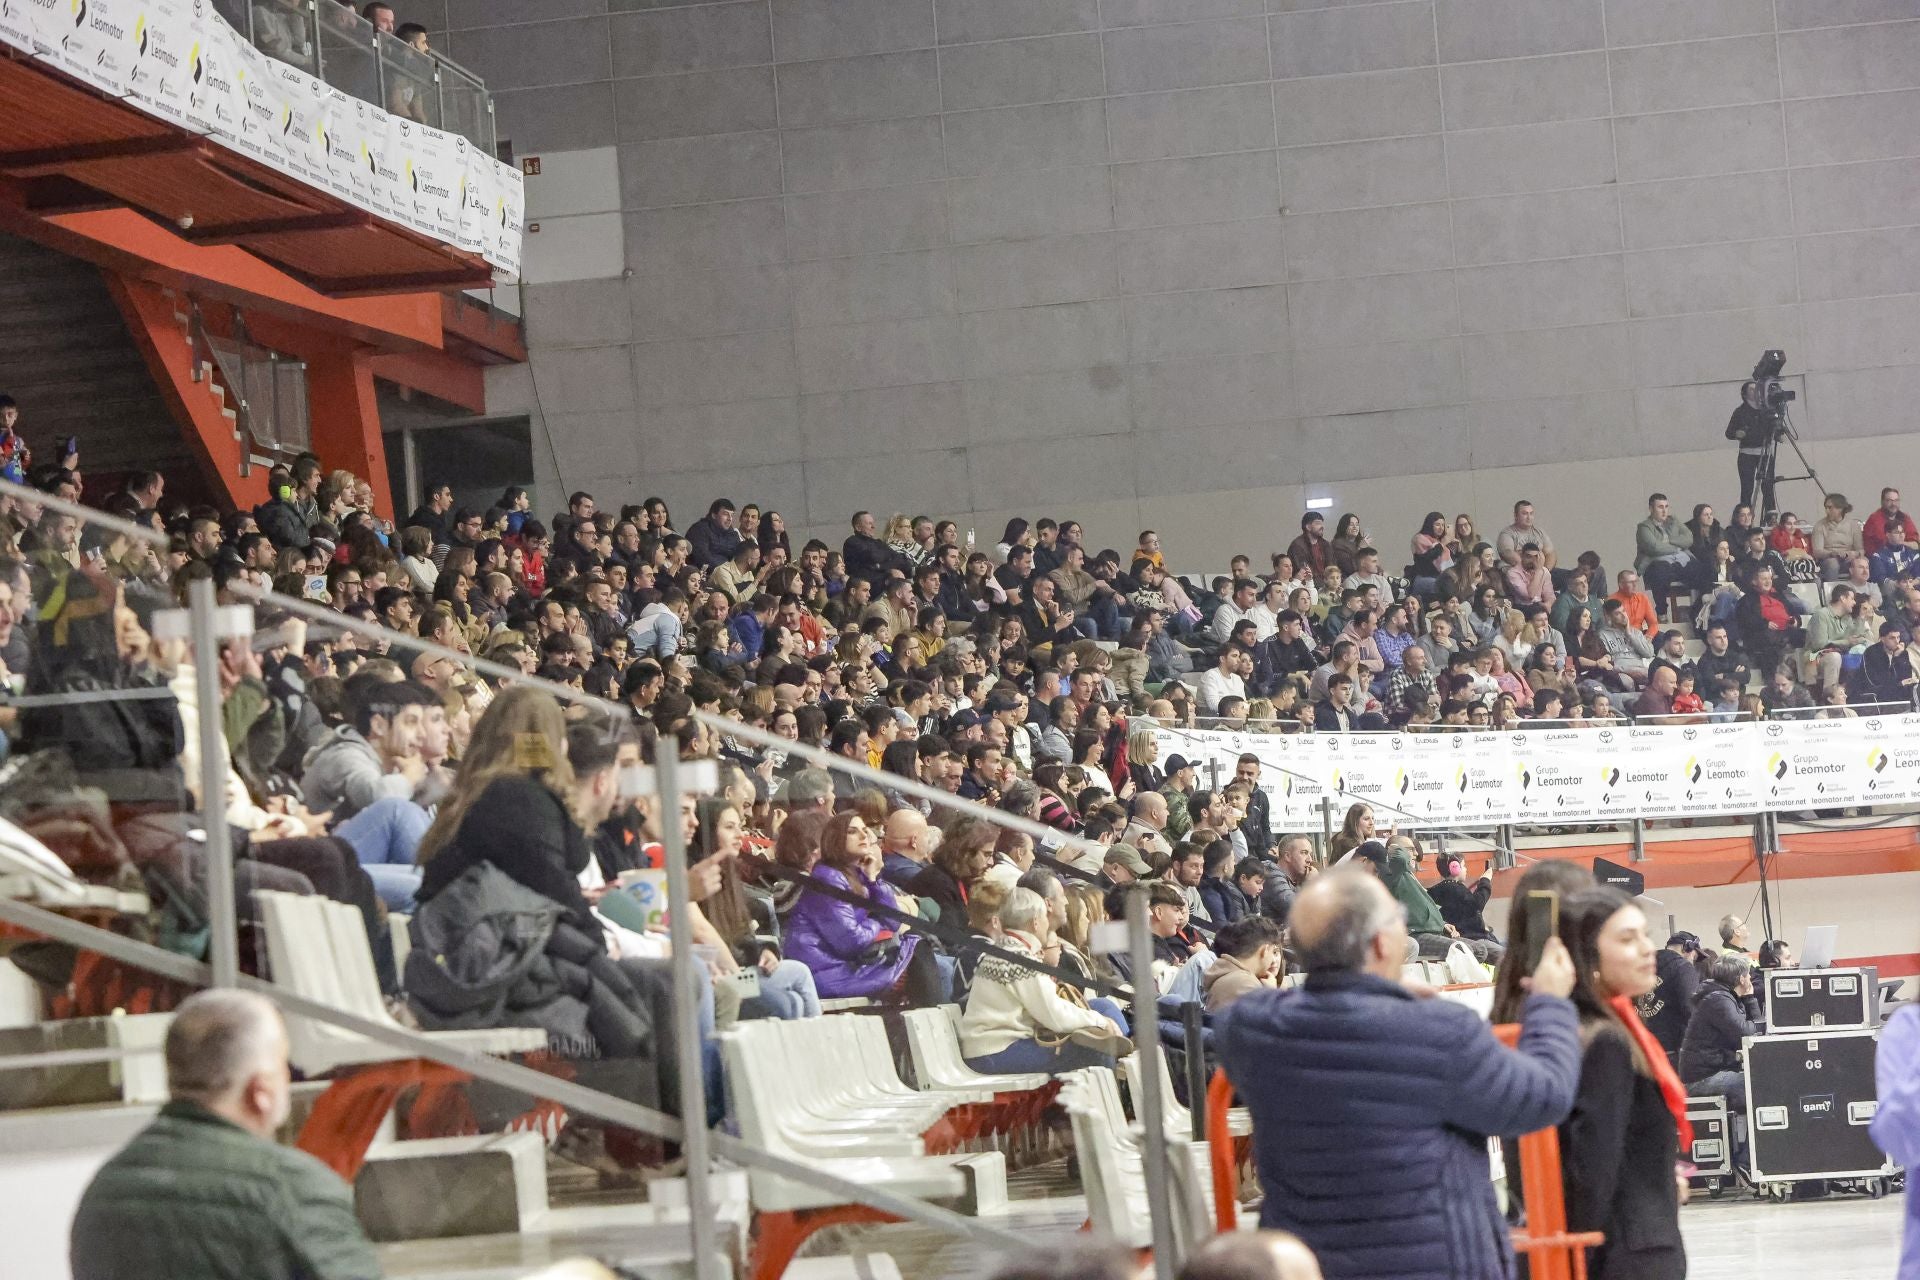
(1564, 775)
(178, 60)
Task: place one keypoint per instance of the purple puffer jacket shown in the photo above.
(829, 938)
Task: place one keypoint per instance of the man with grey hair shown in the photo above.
(1725, 1013)
(204, 1191)
(1371, 1107)
(810, 791)
(1733, 935)
(1052, 892)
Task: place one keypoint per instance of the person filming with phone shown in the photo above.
(1385, 1173)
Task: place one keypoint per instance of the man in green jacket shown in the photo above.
(204, 1192)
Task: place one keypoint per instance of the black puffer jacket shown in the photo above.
(490, 952)
(1721, 1020)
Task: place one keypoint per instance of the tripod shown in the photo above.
(1768, 474)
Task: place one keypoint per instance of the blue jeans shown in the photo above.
(1104, 612)
(1731, 1085)
(949, 967)
(788, 991)
(1025, 1056)
(385, 836)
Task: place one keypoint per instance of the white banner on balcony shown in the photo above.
(179, 61)
(1565, 776)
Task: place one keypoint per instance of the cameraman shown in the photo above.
(1752, 424)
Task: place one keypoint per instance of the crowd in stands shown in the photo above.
(1023, 676)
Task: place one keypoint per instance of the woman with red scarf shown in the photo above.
(1619, 1146)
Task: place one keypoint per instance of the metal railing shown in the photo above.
(331, 42)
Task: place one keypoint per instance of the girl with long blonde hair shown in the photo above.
(522, 735)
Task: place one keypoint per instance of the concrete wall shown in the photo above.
(1185, 263)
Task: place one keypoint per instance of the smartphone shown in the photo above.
(1543, 921)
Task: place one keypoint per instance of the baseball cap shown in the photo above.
(1685, 941)
(1126, 855)
(1176, 763)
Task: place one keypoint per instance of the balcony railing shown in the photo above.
(332, 43)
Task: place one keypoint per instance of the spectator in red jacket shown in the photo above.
(1873, 534)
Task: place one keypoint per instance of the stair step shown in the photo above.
(436, 1188)
(140, 1078)
(636, 1237)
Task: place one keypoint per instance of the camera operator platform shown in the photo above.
(1759, 425)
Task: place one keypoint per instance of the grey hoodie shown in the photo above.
(344, 775)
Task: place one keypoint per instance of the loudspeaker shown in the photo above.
(1625, 879)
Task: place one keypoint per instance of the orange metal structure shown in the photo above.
(176, 222)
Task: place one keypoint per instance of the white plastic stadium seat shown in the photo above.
(318, 949)
(809, 1093)
(934, 1044)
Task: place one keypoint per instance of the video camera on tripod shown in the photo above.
(1766, 381)
(1767, 417)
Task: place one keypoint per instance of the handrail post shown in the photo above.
(222, 924)
(694, 1143)
(1146, 1048)
(1326, 828)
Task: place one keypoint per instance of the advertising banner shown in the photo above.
(1642, 770)
(1721, 769)
(1555, 777)
(1566, 776)
(1891, 761)
(160, 81)
(182, 63)
(1829, 764)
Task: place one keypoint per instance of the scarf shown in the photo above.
(1671, 1089)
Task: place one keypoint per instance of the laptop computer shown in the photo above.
(1817, 951)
